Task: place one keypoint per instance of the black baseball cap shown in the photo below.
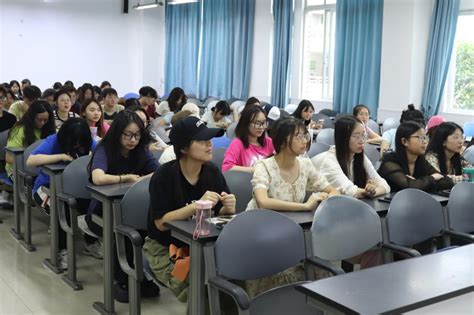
(192, 128)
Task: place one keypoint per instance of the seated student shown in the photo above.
(362, 113)
(63, 111)
(444, 151)
(251, 143)
(388, 136)
(105, 85)
(91, 111)
(217, 116)
(433, 124)
(407, 166)
(173, 189)
(72, 141)
(110, 107)
(176, 100)
(7, 120)
(121, 157)
(48, 96)
(305, 111)
(168, 154)
(71, 90)
(19, 108)
(280, 182)
(148, 97)
(156, 142)
(9, 101)
(346, 167)
(86, 91)
(36, 124)
(15, 88)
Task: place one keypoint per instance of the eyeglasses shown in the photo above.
(360, 137)
(259, 124)
(456, 137)
(129, 136)
(306, 137)
(421, 138)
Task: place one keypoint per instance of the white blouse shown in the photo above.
(327, 165)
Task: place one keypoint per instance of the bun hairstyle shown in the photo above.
(412, 114)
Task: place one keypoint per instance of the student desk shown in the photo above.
(396, 287)
(183, 231)
(110, 197)
(17, 165)
(54, 171)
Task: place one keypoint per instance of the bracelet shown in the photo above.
(120, 179)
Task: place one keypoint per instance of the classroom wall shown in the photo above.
(82, 41)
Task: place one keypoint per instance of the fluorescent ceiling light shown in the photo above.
(181, 1)
(139, 6)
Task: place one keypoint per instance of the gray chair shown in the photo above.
(75, 178)
(218, 156)
(460, 214)
(257, 253)
(131, 219)
(468, 154)
(316, 148)
(240, 185)
(26, 179)
(390, 123)
(3, 144)
(230, 132)
(374, 126)
(413, 217)
(326, 136)
(343, 227)
(328, 112)
(373, 154)
(209, 99)
(157, 154)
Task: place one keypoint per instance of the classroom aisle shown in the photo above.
(26, 287)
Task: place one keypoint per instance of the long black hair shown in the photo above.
(112, 143)
(436, 146)
(242, 129)
(74, 137)
(404, 131)
(29, 124)
(285, 128)
(343, 129)
(302, 107)
(175, 96)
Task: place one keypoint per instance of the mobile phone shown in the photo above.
(386, 199)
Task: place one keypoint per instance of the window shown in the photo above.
(459, 89)
(318, 50)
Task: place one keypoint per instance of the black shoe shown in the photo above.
(148, 289)
(121, 293)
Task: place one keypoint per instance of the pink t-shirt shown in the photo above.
(237, 154)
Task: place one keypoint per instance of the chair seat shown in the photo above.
(282, 301)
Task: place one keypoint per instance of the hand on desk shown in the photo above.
(370, 189)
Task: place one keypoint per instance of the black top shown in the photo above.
(170, 190)
(6, 121)
(396, 176)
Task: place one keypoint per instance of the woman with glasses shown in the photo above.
(121, 157)
(281, 181)
(407, 166)
(444, 151)
(345, 165)
(251, 143)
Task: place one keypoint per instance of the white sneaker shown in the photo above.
(82, 224)
(62, 259)
(95, 250)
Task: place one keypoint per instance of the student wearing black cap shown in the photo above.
(173, 189)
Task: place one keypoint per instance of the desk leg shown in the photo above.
(26, 241)
(52, 262)
(197, 301)
(16, 230)
(107, 307)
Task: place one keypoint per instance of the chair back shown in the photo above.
(374, 126)
(318, 116)
(135, 204)
(290, 108)
(316, 148)
(230, 132)
(157, 154)
(460, 207)
(258, 243)
(413, 216)
(210, 99)
(372, 153)
(75, 178)
(240, 185)
(3, 143)
(390, 123)
(328, 112)
(469, 129)
(468, 154)
(326, 136)
(344, 227)
(218, 156)
(27, 153)
(195, 101)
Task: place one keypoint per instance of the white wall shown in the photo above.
(82, 41)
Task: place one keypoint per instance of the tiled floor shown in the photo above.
(26, 287)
